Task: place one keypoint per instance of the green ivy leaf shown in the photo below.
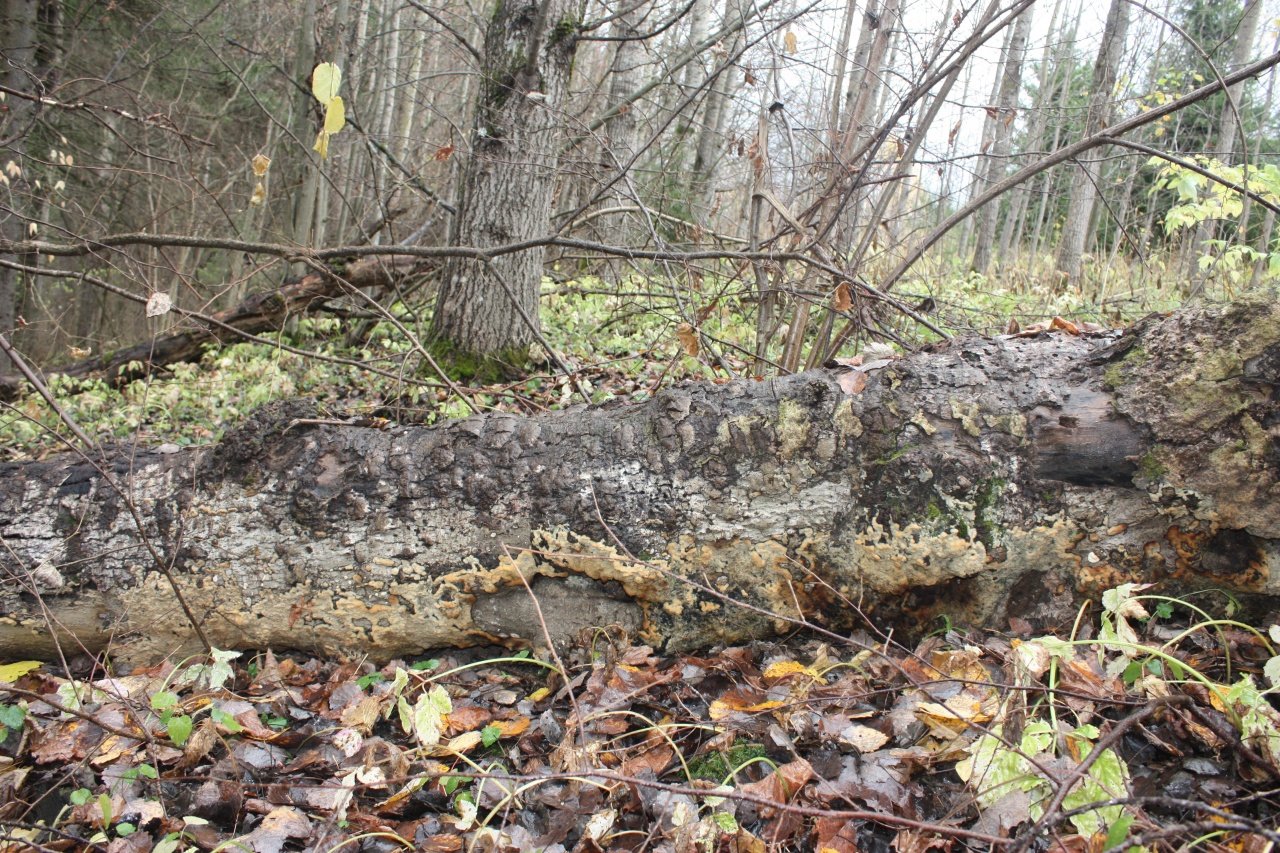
(11, 716)
(179, 729)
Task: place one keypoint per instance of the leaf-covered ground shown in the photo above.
(1151, 728)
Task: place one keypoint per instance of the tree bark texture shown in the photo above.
(20, 39)
(262, 312)
(1084, 188)
(997, 163)
(510, 177)
(988, 478)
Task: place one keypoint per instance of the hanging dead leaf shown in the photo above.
(260, 164)
(688, 338)
(789, 42)
(322, 144)
(955, 131)
(750, 79)
(259, 194)
(992, 113)
(1009, 116)
(159, 304)
(843, 299)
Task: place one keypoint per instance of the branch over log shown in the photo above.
(261, 312)
(985, 479)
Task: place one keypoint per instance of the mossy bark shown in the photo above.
(982, 480)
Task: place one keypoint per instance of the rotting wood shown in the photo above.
(982, 480)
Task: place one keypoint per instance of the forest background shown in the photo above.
(514, 205)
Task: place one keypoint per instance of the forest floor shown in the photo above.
(1147, 729)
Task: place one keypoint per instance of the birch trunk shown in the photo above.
(1084, 189)
(998, 158)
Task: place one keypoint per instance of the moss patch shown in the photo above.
(716, 766)
(487, 368)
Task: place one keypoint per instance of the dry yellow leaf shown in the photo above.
(465, 741)
(322, 144)
(335, 116)
(783, 668)
(11, 672)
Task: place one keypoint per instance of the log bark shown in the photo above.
(262, 312)
(985, 479)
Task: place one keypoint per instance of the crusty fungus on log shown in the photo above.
(982, 479)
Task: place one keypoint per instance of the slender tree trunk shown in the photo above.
(492, 310)
(998, 156)
(840, 61)
(303, 127)
(1084, 192)
(622, 129)
(1011, 234)
(21, 36)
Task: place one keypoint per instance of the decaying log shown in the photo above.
(261, 312)
(984, 479)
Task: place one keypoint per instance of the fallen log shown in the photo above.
(261, 312)
(983, 480)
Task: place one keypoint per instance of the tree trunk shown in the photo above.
(488, 310)
(998, 159)
(21, 37)
(622, 129)
(983, 480)
(1084, 189)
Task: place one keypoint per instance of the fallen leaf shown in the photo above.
(276, 829)
(511, 728)
(11, 672)
(863, 738)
